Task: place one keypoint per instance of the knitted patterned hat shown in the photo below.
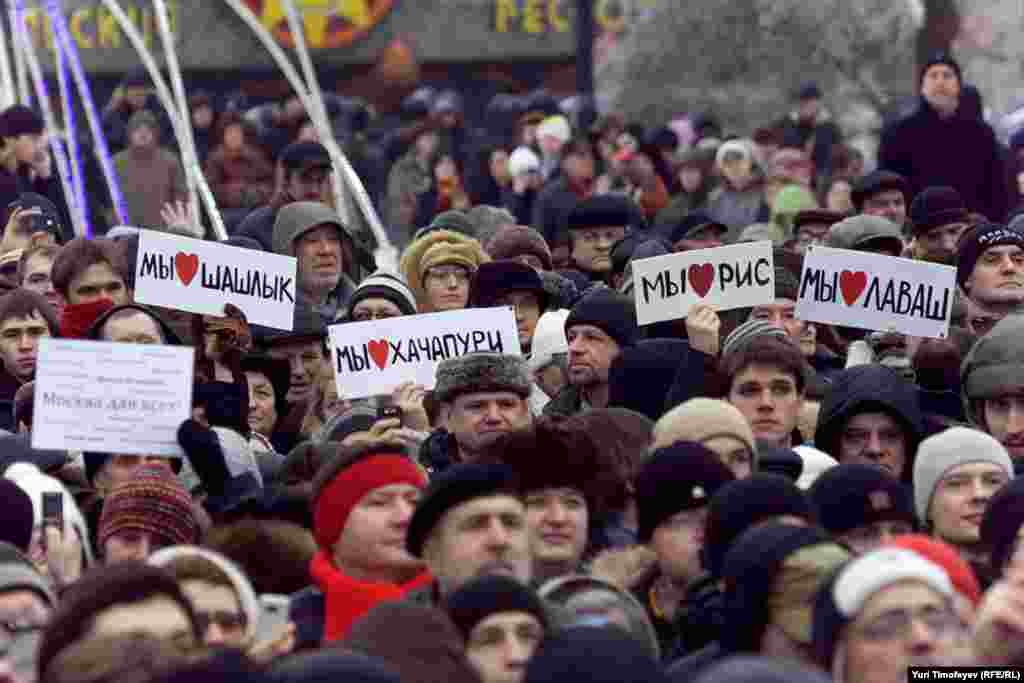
(152, 500)
(701, 420)
(384, 284)
(748, 331)
(434, 249)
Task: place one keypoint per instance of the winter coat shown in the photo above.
(551, 208)
(149, 179)
(569, 402)
(869, 388)
(115, 125)
(961, 152)
(817, 138)
(736, 209)
(13, 184)
(407, 180)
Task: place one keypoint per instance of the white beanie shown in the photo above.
(878, 569)
(816, 463)
(243, 588)
(548, 339)
(523, 160)
(35, 483)
(740, 146)
(942, 452)
(556, 127)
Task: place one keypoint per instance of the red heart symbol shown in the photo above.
(187, 265)
(701, 278)
(379, 352)
(851, 284)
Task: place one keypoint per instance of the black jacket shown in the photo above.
(869, 388)
(550, 210)
(569, 402)
(961, 152)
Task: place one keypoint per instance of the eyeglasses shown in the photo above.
(896, 623)
(226, 621)
(445, 273)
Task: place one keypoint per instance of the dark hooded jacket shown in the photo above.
(870, 388)
(961, 152)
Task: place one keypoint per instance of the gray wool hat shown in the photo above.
(481, 372)
(384, 284)
(296, 219)
(17, 572)
(942, 452)
(857, 231)
(747, 332)
(995, 365)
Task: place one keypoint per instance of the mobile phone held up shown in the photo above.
(53, 510)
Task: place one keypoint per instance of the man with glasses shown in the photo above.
(885, 611)
(594, 226)
(384, 294)
(811, 226)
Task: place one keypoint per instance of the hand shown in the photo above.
(179, 215)
(702, 329)
(409, 397)
(280, 643)
(63, 557)
(382, 430)
(998, 634)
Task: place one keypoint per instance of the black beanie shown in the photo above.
(17, 513)
(1003, 518)
(605, 210)
(937, 206)
(609, 311)
(94, 462)
(741, 504)
(679, 477)
(494, 279)
(942, 57)
(487, 595)
(454, 486)
(877, 182)
(974, 243)
(749, 570)
(595, 655)
(20, 120)
(853, 495)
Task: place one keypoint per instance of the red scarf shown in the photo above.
(76, 319)
(346, 599)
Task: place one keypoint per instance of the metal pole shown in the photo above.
(188, 146)
(10, 89)
(585, 60)
(63, 36)
(386, 254)
(24, 91)
(70, 130)
(164, 94)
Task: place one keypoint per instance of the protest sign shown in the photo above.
(127, 399)
(374, 357)
(201, 276)
(876, 292)
(736, 276)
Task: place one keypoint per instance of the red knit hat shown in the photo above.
(152, 500)
(960, 573)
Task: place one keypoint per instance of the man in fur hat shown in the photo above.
(485, 397)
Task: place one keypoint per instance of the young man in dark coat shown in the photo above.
(939, 144)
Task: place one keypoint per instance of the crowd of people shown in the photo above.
(737, 495)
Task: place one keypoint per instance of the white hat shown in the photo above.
(523, 160)
(740, 146)
(942, 452)
(815, 464)
(35, 483)
(556, 127)
(878, 569)
(548, 339)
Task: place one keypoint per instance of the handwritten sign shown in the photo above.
(876, 292)
(127, 399)
(374, 357)
(200, 277)
(736, 276)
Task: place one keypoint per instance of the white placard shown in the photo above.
(200, 276)
(374, 357)
(126, 399)
(876, 292)
(735, 276)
